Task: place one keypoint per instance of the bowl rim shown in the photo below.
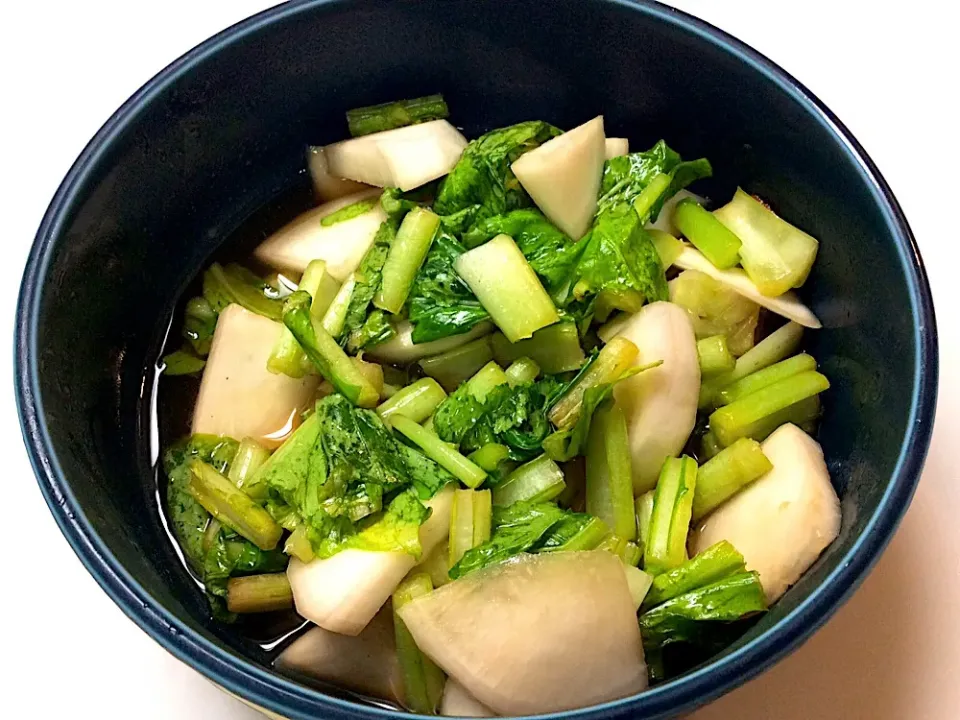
(270, 690)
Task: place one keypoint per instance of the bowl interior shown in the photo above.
(222, 134)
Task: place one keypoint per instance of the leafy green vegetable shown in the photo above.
(691, 617)
(566, 534)
(376, 329)
(713, 564)
(440, 303)
(232, 556)
(626, 176)
(512, 416)
(337, 468)
(551, 254)
(516, 529)
(619, 256)
(349, 212)
(482, 179)
(396, 530)
(392, 115)
(235, 284)
(187, 517)
(182, 362)
(199, 323)
(368, 278)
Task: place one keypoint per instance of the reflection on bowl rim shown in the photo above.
(261, 686)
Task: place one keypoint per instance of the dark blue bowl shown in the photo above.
(221, 132)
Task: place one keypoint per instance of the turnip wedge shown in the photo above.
(563, 176)
(339, 232)
(660, 404)
(516, 635)
(786, 304)
(783, 521)
(366, 663)
(404, 158)
(457, 702)
(342, 593)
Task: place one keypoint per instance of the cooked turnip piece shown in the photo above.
(615, 147)
(400, 349)
(238, 396)
(660, 403)
(563, 176)
(340, 243)
(457, 702)
(516, 637)
(783, 521)
(786, 304)
(406, 158)
(343, 592)
(327, 186)
(366, 663)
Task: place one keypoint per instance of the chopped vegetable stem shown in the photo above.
(407, 253)
(556, 348)
(232, 507)
(259, 593)
(713, 564)
(715, 356)
(243, 468)
(766, 377)
(609, 493)
(724, 475)
(486, 379)
(389, 116)
(522, 371)
(710, 236)
(539, 480)
(417, 401)
(440, 452)
(670, 521)
(422, 679)
(454, 366)
(616, 357)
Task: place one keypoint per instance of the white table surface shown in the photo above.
(887, 69)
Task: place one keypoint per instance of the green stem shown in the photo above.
(486, 379)
(775, 347)
(644, 506)
(589, 537)
(522, 371)
(766, 377)
(710, 236)
(232, 507)
(649, 196)
(490, 456)
(715, 356)
(744, 417)
(713, 564)
(455, 366)
(407, 253)
(335, 317)
(470, 521)
(389, 116)
(539, 480)
(440, 452)
(416, 401)
(670, 521)
(556, 348)
(250, 456)
(259, 593)
(616, 356)
(609, 490)
(724, 475)
(422, 679)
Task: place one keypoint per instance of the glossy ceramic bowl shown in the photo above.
(221, 132)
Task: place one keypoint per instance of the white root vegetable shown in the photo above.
(406, 158)
(341, 245)
(457, 702)
(365, 663)
(516, 637)
(563, 176)
(783, 521)
(401, 350)
(615, 147)
(238, 396)
(661, 403)
(342, 593)
(787, 304)
(664, 220)
(639, 583)
(329, 187)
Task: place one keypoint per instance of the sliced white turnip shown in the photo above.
(457, 702)
(342, 593)
(401, 350)
(664, 220)
(615, 147)
(406, 158)
(536, 633)
(563, 176)
(783, 521)
(238, 396)
(341, 245)
(366, 663)
(660, 404)
(639, 583)
(327, 186)
(787, 304)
